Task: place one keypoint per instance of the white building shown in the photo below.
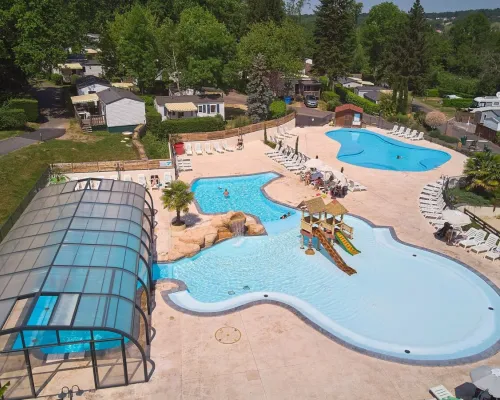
(122, 109)
(491, 119)
(174, 107)
(92, 68)
(91, 84)
(486, 101)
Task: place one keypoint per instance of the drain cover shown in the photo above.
(227, 335)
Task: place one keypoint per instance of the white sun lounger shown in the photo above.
(127, 178)
(420, 136)
(218, 148)
(189, 149)
(167, 179)
(141, 180)
(440, 392)
(489, 244)
(393, 130)
(198, 149)
(355, 186)
(493, 254)
(208, 148)
(474, 241)
(226, 147)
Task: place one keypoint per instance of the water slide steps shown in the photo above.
(346, 243)
(339, 262)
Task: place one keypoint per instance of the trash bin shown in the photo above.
(288, 99)
(179, 148)
(463, 139)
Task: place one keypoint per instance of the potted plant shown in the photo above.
(177, 198)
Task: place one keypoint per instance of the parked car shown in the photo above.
(311, 101)
(451, 96)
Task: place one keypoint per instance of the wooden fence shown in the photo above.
(110, 166)
(228, 133)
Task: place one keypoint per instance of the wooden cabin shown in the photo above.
(349, 116)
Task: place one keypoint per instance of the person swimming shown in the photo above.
(285, 216)
(226, 193)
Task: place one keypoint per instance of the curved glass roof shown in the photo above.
(87, 242)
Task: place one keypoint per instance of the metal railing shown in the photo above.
(483, 224)
(39, 185)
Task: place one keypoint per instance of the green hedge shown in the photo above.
(457, 103)
(332, 104)
(190, 125)
(153, 118)
(155, 147)
(346, 96)
(277, 109)
(30, 107)
(12, 118)
(436, 134)
(329, 96)
(148, 100)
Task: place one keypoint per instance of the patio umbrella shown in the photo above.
(456, 217)
(313, 163)
(335, 172)
(487, 378)
(316, 175)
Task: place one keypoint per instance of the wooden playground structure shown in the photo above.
(326, 223)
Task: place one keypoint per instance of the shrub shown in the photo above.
(435, 119)
(238, 122)
(277, 109)
(367, 106)
(12, 118)
(324, 82)
(56, 78)
(155, 147)
(30, 107)
(449, 83)
(457, 103)
(148, 100)
(332, 104)
(153, 119)
(190, 125)
(74, 78)
(449, 139)
(432, 92)
(330, 96)
(434, 133)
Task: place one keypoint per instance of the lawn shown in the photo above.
(8, 134)
(435, 102)
(20, 169)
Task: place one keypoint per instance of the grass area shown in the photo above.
(435, 102)
(155, 148)
(462, 196)
(8, 134)
(20, 169)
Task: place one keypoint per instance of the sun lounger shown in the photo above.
(473, 241)
(141, 180)
(355, 186)
(167, 179)
(493, 254)
(440, 392)
(189, 149)
(197, 149)
(420, 136)
(218, 148)
(127, 178)
(490, 243)
(208, 148)
(226, 147)
(393, 130)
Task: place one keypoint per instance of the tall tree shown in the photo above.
(418, 52)
(283, 48)
(335, 37)
(205, 49)
(259, 92)
(265, 10)
(377, 32)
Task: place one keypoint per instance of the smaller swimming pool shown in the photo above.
(244, 195)
(371, 150)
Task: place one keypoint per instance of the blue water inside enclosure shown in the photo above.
(371, 150)
(41, 315)
(402, 298)
(244, 195)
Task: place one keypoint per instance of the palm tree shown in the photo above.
(177, 197)
(483, 172)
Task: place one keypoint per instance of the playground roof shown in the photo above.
(335, 208)
(313, 206)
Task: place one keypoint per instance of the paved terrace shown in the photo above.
(279, 356)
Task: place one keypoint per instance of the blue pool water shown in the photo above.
(244, 195)
(402, 298)
(371, 150)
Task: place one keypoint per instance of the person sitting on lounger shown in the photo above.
(226, 193)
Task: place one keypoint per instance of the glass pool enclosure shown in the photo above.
(76, 284)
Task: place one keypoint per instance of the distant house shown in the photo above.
(308, 64)
(175, 107)
(350, 82)
(78, 64)
(486, 101)
(68, 69)
(306, 87)
(122, 109)
(372, 93)
(92, 68)
(91, 84)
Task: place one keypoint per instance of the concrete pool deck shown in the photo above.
(279, 356)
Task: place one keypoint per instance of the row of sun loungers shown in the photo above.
(208, 148)
(286, 156)
(432, 202)
(407, 133)
(141, 180)
(184, 164)
(476, 241)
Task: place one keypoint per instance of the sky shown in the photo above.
(429, 5)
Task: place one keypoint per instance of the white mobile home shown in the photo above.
(122, 109)
(91, 84)
(486, 101)
(175, 107)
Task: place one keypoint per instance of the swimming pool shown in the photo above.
(371, 150)
(244, 195)
(404, 302)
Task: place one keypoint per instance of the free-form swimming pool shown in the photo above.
(371, 150)
(404, 302)
(244, 195)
